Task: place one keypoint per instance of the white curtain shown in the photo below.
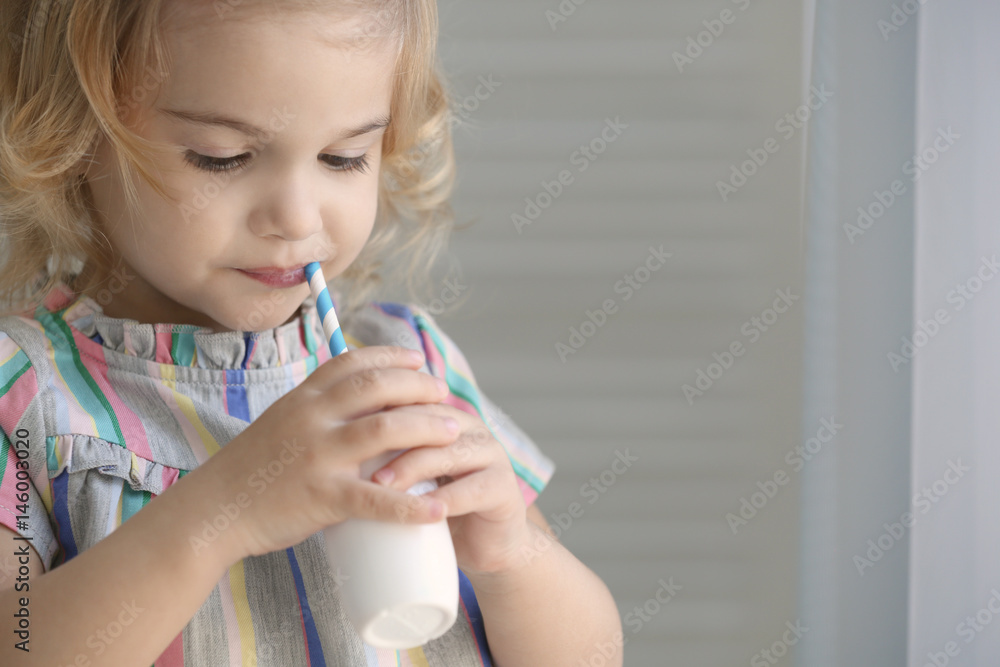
(900, 528)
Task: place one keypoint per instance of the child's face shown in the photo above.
(295, 201)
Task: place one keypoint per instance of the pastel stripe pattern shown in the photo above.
(108, 413)
(447, 361)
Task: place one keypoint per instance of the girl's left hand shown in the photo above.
(485, 509)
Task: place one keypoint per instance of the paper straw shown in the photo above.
(324, 305)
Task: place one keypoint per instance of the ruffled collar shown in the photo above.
(191, 345)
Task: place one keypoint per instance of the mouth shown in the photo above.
(276, 276)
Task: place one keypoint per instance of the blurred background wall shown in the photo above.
(814, 458)
(593, 139)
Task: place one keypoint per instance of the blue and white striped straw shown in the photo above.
(324, 306)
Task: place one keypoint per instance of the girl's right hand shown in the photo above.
(295, 469)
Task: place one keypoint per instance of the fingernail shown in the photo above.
(451, 424)
(436, 508)
(416, 355)
(385, 476)
(442, 385)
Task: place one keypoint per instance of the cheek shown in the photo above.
(164, 227)
(363, 206)
(202, 214)
(370, 205)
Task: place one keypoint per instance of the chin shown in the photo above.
(266, 315)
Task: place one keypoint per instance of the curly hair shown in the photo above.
(78, 66)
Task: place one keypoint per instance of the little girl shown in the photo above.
(175, 435)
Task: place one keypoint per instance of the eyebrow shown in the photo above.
(207, 118)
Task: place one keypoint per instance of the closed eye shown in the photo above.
(234, 164)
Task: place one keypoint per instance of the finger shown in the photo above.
(361, 395)
(440, 409)
(485, 492)
(365, 360)
(364, 500)
(371, 435)
(472, 424)
(450, 460)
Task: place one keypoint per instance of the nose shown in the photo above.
(289, 207)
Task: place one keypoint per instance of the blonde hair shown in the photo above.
(78, 66)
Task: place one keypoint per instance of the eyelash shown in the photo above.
(233, 164)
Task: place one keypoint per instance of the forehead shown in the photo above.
(344, 23)
(251, 69)
(260, 51)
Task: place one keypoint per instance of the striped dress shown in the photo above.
(109, 412)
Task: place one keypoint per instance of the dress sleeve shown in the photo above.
(23, 463)
(445, 360)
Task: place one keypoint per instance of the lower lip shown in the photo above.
(289, 279)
